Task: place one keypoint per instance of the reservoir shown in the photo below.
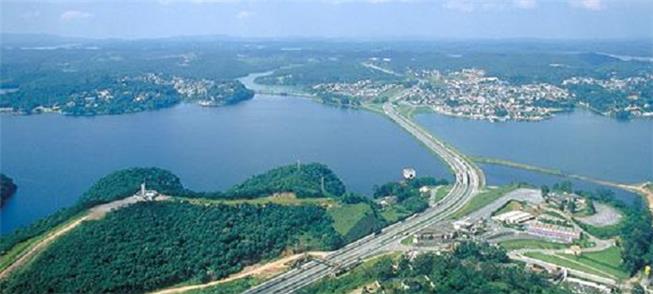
(579, 142)
(54, 158)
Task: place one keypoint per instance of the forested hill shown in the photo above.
(154, 245)
(305, 180)
(7, 188)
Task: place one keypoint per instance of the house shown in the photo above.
(388, 201)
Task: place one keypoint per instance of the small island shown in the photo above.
(7, 188)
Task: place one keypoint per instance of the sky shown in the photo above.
(349, 19)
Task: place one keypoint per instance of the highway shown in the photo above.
(469, 179)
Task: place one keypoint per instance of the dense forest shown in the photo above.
(7, 188)
(327, 70)
(470, 268)
(305, 180)
(127, 182)
(152, 245)
(116, 185)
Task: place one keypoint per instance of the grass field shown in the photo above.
(566, 263)
(606, 263)
(608, 260)
(530, 244)
(510, 206)
(441, 192)
(394, 214)
(554, 214)
(407, 241)
(483, 199)
(346, 216)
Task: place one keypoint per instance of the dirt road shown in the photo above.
(94, 213)
(267, 269)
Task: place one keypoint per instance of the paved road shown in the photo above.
(469, 180)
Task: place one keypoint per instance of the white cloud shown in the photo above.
(485, 5)
(244, 14)
(72, 15)
(588, 4)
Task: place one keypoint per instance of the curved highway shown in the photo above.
(469, 180)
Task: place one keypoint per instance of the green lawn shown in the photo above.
(482, 199)
(407, 241)
(554, 214)
(346, 216)
(608, 260)
(530, 244)
(394, 214)
(441, 192)
(566, 263)
(606, 263)
(510, 206)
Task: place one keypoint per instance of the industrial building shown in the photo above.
(553, 232)
(513, 217)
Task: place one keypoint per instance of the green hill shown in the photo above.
(305, 180)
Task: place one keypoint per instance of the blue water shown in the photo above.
(54, 158)
(497, 175)
(579, 142)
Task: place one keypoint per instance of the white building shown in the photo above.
(513, 217)
(409, 173)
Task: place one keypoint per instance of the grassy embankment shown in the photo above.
(441, 192)
(606, 263)
(530, 244)
(346, 217)
(510, 206)
(353, 279)
(484, 198)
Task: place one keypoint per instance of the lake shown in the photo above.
(54, 158)
(579, 142)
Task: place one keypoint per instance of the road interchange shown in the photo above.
(469, 179)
